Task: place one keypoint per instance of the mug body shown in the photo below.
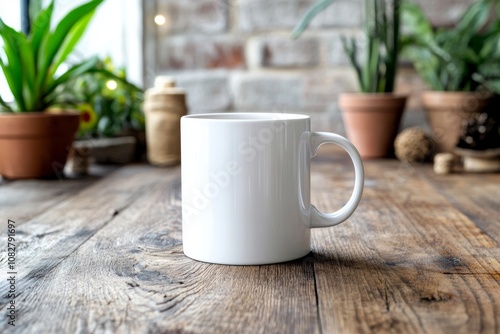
(241, 199)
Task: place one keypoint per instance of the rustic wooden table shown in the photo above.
(420, 255)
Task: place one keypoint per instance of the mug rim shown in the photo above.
(247, 117)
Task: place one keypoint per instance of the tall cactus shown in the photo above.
(381, 30)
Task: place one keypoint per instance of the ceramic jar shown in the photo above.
(164, 106)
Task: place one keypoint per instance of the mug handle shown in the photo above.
(320, 219)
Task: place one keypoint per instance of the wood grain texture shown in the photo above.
(131, 276)
(406, 262)
(22, 200)
(475, 195)
(46, 240)
(108, 259)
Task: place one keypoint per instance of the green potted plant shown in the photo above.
(459, 64)
(35, 140)
(115, 103)
(112, 124)
(371, 117)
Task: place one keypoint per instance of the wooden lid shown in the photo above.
(164, 85)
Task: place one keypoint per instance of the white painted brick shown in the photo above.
(280, 51)
(207, 91)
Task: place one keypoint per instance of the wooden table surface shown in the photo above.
(104, 255)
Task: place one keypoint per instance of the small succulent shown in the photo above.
(382, 27)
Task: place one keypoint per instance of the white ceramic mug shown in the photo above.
(246, 187)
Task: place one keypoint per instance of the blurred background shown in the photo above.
(237, 55)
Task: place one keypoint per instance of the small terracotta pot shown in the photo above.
(35, 144)
(448, 111)
(372, 121)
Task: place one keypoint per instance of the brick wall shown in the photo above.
(237, 55)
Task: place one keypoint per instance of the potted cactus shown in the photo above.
(371, 117)
(34, 138)
(459, 64)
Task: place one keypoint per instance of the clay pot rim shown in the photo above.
(450, 93)
(35, 124)
(372, 102)
(437, 100)
(374, 96)
(39, 114)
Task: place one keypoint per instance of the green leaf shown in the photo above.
(40, 28)
(374, 73)
(52, 44)
(13, 68)
(72, 74)
(468, 30)
(28, 63)
(71, 40)
(456, 76)
(416, 23)
(111, 76)
(489, 70)
(494, 86)
(309, 16)
(350, 48)
(15, 87)
(474, 19)
(35, 8)
(368, 26)
(370, 18)
(427, 64)
(393, 48)
(383, 28)
(4, 106)
(20, 60)
(382, 43)
(470, 56)
(491, 48)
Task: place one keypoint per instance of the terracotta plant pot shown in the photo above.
(34, 145)
(448, 111)
(372, 121)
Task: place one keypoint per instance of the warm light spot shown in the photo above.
(111, 84)
(160, 20)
